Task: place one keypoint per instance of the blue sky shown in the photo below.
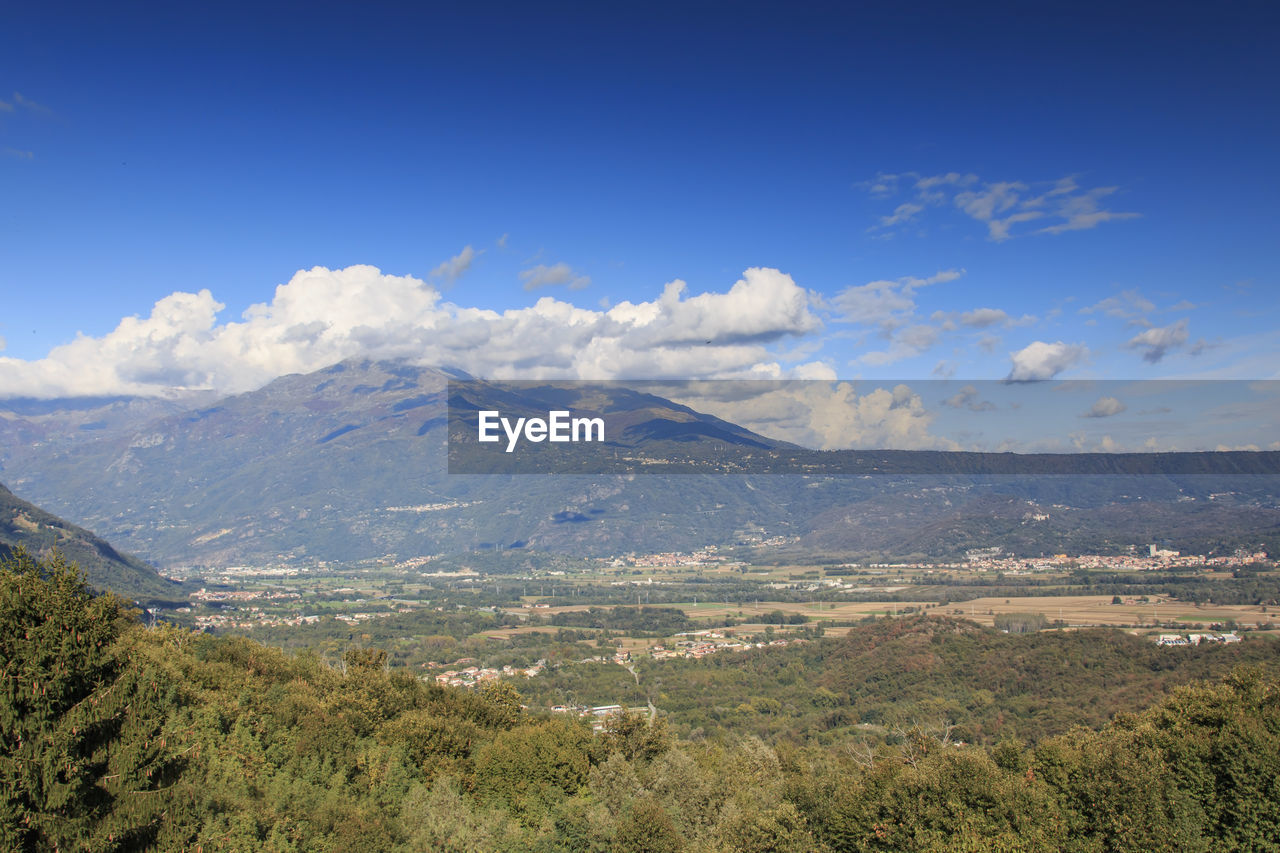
(969, 191)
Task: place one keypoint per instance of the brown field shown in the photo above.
(1076, 611)
(505, 633)
(839, 610)
(1084, 610)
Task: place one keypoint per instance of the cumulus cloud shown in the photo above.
(453, 268)
(546, 276)
(322, 316)
(1001, 206)
(1105, 407)
(1157, 342)
(1040, 360)
(825, 415)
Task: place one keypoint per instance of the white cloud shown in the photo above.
(1039, 360)
(1085, 211)
(1105, 407)
(891, 306)
(453, 268)
(546, 276)
(904, 343)
(992, 199)
(1000, 205)
(954, 179)
(755, 308)
(1158, 341)
(981, 318)
(825, 415)
(1129, 305)
(904, 212)
(322, 316)
(883, 185)
(887, 304)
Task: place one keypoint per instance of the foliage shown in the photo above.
(88, 761)
(893, 673)
(120, 737)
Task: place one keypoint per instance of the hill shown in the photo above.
(120, 738)
(25, 525)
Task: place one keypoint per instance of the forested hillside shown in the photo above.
(891, 674)
(27, 525)
(121, 737)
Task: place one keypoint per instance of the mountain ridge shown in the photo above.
(350, 463)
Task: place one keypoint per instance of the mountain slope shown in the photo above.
(22, 524)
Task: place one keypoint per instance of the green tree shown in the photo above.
(635, 735)
(87, 762)
(647, 828)
(531, 767)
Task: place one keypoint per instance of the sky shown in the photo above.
(213, 197)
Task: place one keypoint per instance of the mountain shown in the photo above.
(23, 524)
(346, 463)
(352, 462)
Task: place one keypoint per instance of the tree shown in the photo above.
(636, 736)
(86, 761)
(647, 828)
(531, 767)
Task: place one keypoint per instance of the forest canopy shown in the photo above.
(122, 736)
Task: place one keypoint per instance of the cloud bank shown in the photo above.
(323, 316)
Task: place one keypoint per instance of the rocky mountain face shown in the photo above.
(351, 463)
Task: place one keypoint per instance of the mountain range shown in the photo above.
(351, 463)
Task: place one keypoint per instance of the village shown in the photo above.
(690, 645)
